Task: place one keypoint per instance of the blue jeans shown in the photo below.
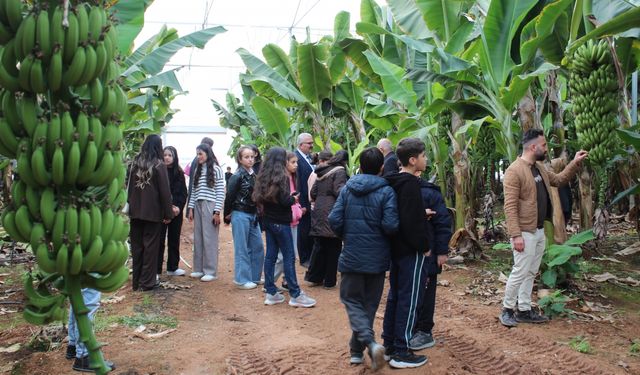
(248, 250)
(279, 238)
(91, 299)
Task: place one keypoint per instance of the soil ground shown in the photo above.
(223, 330)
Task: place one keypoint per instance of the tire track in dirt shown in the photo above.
(528, 352)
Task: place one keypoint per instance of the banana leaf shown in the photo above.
(274, 119)
(279, 61)
(409, 18)
(619, 24)
(395, 86)
(129, 15)
(315, 81)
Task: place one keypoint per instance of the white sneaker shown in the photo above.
(248, 285)
(302, 301)
(260, 282)
(196, 275)
(178, 272)
(273, 299)
(208, 278)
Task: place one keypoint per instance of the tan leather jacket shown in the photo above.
(520, 206)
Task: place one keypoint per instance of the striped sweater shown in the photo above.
(204, 192)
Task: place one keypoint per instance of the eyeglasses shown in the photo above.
(308, 143)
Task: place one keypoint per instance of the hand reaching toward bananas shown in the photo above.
(580, 156)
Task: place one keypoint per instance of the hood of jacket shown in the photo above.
(397, 180)
(326, 170)
(363, 184)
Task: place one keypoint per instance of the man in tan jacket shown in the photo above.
(526, 206)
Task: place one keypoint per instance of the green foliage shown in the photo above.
(554, 304)
(147, 319)
(634, 349)
(557, 262)
(580, 345)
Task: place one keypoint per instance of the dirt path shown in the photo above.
(223, 330)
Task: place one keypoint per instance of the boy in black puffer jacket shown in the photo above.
(438, 229)
(365, 215)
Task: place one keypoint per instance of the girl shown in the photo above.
(326, 249)
(205, 203)
(240, 210)
(274, 198)
(149, 209)
(178, 189)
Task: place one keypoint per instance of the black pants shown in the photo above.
(172, 231)
(145, 239)
(425, 316)
(360, 293)
(305, 242)
(406, 290)
(323, 265)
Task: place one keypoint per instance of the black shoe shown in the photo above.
(285, 286)
(507, 318)
(407, 360)
(421, 340)
(530, 316)
(82, 365)
(71, 352)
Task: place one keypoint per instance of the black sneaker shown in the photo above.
(71, 352)
(530, 316)
(357, 358)
(507, 318)
(421, 340)
(407, 360)
(82, 365)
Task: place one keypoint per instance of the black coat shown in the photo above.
(390, 164)
(303, 172)
(438, 226)
(153, 202)
(239, 191)
(178, 188)
(324, 192)
(365, 216)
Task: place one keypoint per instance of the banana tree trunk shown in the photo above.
(358, 127)
(527, 113)
(460, 172)
(586, 199)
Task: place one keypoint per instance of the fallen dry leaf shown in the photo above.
(629, 250)
(112, 299)
(604, 277)
(444, 283)
(613, 260)
(10, 349)
(151, 336)
(141, 328)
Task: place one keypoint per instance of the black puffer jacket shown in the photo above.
(325, 191)
(239, 190)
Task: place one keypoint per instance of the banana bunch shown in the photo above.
(594, 89)
(42, 55)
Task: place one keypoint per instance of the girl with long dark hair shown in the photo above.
(274, 198)
(240, 210)
(172, 230)
(205, 203)
(149, 209)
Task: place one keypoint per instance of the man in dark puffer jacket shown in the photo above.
(364, 215)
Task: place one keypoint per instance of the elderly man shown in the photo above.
(305, 168)
(390, 158)
(526, 206)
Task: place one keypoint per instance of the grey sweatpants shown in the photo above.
(360, 293)
(205, 239)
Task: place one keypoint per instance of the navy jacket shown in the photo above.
(365, 216)
(303, 172)
(438, 227)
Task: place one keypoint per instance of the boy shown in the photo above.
(406, 277)
(365, 215)
(438, 228)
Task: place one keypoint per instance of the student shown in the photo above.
(407, 257)
(296, 214)
(205, 203)
(228, 174)
(150, 209)
(240, 210)
(274, 198)
(327, 246)
(179, 199)
(438, 228)
(323, 158)
(364, 215)
(191, 167)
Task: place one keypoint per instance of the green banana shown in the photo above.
(9, 224)
(71, 38)
(73, 164)
(113, 281)
(57, 166)
(84, 227)
(93, 254)
(62, 260)
(74, 72)
(57, 233)
(37, 236)
(28, 110)
(40, 173)
(45, 262)
(8, 138)
(75, 263)
(71, 222)
(32, 196)
(54, 74)
(89, 163)
(42, 34)
(24, 221)
(53, 134)
(48, 207)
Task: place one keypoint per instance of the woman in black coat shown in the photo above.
(327, 245)
(178, 188)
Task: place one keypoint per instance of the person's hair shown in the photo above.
(211, 162)
(239, 153)
(371, 161)
(340, 158)
(302, 136)
(385, 144)
(150, 156)
(409, 148)
(314, 158)
(175, 167)
(324, 156)
(272, 178)
(291, 155)
(207, 141)
(228, 168)
(530, 135)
